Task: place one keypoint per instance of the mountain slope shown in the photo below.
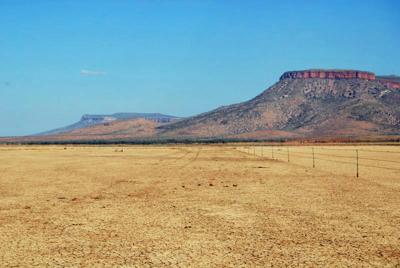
(128, 129)
(88, 120)
(116, 130)
(304, 104)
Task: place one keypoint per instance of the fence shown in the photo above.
(344, 159)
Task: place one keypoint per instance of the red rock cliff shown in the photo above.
(329, 74)
(390, 84)
(391, 81)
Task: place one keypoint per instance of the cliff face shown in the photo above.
(391, 84)
(391, 81)
(330, 74)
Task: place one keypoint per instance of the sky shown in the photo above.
(62, 59)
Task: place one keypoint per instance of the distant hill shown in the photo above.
(88, 120)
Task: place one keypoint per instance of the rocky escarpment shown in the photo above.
(391, 81)
(329, 74)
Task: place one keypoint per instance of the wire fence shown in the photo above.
(350, 160)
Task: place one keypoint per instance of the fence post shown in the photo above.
(357, 161)
(288, 159)
(313, 158)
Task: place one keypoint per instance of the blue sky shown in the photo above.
(61, 59)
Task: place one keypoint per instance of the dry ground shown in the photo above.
(198, 206)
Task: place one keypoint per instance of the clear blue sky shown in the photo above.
(61, 59)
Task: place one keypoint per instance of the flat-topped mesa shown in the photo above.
(328, 74)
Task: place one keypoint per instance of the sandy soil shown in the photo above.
(197, 206)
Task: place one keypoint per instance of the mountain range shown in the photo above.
(305, 104)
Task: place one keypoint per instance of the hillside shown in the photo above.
(129, 129)
(308, 103)
(88, 120)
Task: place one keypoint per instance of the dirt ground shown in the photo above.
(197, 206)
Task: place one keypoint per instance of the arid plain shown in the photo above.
(199, 206)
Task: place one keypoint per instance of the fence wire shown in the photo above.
(357, 157)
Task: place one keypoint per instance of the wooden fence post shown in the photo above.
(357, 161)
(313, 158)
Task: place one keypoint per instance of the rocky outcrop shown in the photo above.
(328, 74)
(391, 84)
(391, 81)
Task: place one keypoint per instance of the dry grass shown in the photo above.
(201, 206)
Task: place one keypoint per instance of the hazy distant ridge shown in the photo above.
(88, 120)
